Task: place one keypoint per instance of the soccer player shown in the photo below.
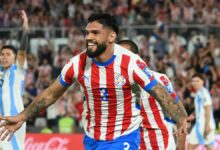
(156, 128)
(203, 132)
(106, 73)
(12, 74)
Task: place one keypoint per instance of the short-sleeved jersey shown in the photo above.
(12, 90)
(109, 107)
(155, 122)
(11, 101)
(202, 99)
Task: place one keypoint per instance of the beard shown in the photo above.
(100, 48)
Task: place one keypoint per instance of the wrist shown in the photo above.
(181, 121)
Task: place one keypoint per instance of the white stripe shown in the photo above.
(147, 109)
(76, 66)
(104, 104)
(160, 141)
(87, 81)
(147, 139)
(120, 102)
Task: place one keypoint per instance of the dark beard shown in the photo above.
(99, 50)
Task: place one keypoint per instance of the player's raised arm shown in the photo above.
(42, 101)
(21, 56)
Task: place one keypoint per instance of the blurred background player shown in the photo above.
(203, 131)
(156, 128)
(13, 68)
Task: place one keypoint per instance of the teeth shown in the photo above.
(91, 44)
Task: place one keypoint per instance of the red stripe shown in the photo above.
(97, 100)
(164, 80)
(159, 120)
(141, 64)
(153, 139)
(138, 80)
(69, 75)
(152, 78)
(82, 64)
(151, 132)
(127, 94)
(173, 95)
(112, 102)
(142, 143)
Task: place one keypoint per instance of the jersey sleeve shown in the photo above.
(67, 74)
(206, 98)
(169, 87)
(143, 75)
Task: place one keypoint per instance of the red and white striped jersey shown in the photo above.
(109, 107)
(156, 129)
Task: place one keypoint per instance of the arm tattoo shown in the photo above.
(170, 107)
(35, 108)
(42, 101)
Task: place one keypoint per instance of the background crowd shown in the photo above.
(178, 37)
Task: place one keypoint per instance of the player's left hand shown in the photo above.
(207, 131)
(8, 126)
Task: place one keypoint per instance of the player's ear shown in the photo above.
(112, 37)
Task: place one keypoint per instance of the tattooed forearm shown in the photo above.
(170, 107)
(43, 100)
(35, 108)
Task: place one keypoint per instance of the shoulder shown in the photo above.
(123, 52)
(79, 57)
(160, 76)
(204, 91)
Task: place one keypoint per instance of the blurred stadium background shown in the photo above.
(179, 36)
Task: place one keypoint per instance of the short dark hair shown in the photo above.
(199, 75)
(106, 20)
(12, 48)
(133, 45)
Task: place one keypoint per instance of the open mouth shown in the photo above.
(91, 44)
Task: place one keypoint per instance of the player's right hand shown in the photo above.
(9, 125)
(182, 128)
(191, 117)
(25, 20)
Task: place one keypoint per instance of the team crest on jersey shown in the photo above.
(119, 80)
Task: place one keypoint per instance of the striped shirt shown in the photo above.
(109, 107)
(156, 128)
(11, 101)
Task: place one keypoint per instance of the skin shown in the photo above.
(99, 34)
(7, 58)
(198, 83)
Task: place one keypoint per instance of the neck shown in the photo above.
(106, 55)
(199, 88)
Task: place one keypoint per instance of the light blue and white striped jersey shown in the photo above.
(203, 99)
(11, 101)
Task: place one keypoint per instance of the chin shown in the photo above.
(6, 66)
